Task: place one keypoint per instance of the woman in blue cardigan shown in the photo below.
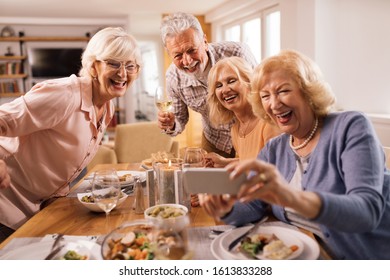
(326, 173)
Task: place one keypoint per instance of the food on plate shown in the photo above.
(89, 198)
(134, 245)
(267, 244)
(73, 255)
(166, 212)
(125, 177)
(277, 250)
(160, 157)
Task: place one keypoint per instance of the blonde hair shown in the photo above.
(218, 114)
(110, 43)
(304, 71)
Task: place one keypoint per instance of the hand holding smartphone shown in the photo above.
(211, 181)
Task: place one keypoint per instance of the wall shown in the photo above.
(352, 47)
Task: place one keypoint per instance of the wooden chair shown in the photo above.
(135, 142)
(104, 155)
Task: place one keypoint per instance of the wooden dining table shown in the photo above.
(66, 215)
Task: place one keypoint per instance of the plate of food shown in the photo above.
(161, 157)
(87, 200)
(75, 250)
(126, 177)
(267, 242)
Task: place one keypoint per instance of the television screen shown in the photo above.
(54, 62)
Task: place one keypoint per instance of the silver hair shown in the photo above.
(176, 23)
(110, 43)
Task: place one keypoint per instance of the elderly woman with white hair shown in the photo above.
(49, 135)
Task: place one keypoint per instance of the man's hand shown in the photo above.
(166, 120)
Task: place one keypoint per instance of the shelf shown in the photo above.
(43, 39)
(14, 76)
(11, 94)
(13, 57)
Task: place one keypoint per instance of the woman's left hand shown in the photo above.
(216, 206)
(194, 200)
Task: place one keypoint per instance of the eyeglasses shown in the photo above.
(131, 67)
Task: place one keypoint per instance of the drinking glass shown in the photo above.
(194, 157)
(163, 103)
(106, 191)
(171, 245)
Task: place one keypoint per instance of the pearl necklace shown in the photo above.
(307, 140)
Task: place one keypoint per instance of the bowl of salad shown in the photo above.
(168, 216)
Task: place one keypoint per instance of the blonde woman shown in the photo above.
(229, 88)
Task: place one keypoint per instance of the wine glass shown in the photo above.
(194, 157)
(106, 191)
(171, 245)
(163, 103)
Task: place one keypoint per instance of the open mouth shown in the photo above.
(192, 67)
(230, 98)
(117, 83)
(284, 117)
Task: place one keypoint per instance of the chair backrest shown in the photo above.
(135, 142)
(104, 155)
(387, 153)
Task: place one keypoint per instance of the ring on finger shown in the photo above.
(262, 177)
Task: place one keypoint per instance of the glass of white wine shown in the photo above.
(164, 103)
(106, 191)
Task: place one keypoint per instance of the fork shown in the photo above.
(55, 248)
(246, 233)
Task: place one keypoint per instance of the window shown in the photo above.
(261, 31)
(150, 74)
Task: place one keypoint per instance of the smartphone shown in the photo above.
(211, 180)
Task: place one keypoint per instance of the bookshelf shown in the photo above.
(13, 67)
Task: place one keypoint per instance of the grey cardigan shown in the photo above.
(347, 170)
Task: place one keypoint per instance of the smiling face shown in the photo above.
(230, 91)
(111, 82)
(285, 104)
(189, 52)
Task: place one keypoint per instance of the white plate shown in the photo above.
(141, 174)
(39, 250)
(93, 206)
(310, 250)
(281, 233)
(145, 165)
